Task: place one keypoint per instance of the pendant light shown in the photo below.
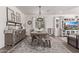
(39, 11)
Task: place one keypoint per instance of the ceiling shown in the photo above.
(49, 10)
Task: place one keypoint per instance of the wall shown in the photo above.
(2, 25)
(22, 15)
(3, 20)
(48, 22)
(28, 27)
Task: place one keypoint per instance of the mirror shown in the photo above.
(40, 24)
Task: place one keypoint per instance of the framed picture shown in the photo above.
(10, 15)
(18, 17)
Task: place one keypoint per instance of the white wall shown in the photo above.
(48, 22)
(2, 25)
(3, 20)
(28, 27)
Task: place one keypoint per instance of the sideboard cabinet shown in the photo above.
(12, 37)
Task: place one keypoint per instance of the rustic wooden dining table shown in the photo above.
(39, 39)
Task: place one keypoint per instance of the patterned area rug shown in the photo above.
(58, 45)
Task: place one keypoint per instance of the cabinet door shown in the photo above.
(16, 36)
(8, 39)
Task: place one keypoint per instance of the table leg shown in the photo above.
(31, 39)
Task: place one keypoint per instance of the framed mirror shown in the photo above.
(40, 23)
(18, 17)
(10, 15)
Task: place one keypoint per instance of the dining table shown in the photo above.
(39, 38)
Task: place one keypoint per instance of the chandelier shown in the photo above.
(39, 10)
(40, 20)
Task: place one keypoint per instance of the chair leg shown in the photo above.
(38, 42)
(49, 44)
(32, 42)
(46, 43)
